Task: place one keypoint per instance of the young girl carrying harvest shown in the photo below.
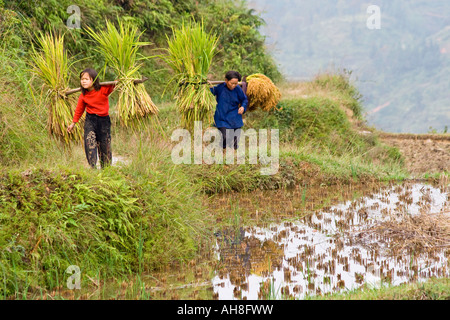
(97, 126)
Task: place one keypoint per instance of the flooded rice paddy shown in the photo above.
(340, 241)
(344, 246)
(314, 241)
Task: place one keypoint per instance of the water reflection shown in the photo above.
(344, 246)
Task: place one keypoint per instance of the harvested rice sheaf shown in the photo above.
(51, 64)
(262, 93)
(119, 46)
(195, 103)
(190, 52)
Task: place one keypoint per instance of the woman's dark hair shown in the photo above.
(94, 76)
(233, 75)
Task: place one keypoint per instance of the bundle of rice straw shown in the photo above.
(262, 93)
(51, 64)
(190, 52)
(120, 49)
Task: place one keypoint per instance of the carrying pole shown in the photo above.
(107, 83)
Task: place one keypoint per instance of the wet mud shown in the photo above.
(423, 153)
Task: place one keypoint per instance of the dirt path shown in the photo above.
(424, 153)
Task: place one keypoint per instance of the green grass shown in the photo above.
(313, 132)
(339, 87)
(433, 289)
(127, 220)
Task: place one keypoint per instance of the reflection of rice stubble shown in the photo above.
(345, 264)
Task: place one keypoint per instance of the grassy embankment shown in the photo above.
(434, 289)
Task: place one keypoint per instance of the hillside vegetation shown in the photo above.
(401, 69)
(241, 45)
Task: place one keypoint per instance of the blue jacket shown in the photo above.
(228, 104)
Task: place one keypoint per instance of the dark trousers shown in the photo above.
(230, 139)
(97, 139)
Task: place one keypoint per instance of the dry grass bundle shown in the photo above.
(408, 232)
(51, 64)
(262, 93)
(120, 47)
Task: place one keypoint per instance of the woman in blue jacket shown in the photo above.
(231, 105)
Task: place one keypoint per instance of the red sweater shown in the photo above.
(95, 102)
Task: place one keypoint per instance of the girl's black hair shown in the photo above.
(94, 76)
(233, 75)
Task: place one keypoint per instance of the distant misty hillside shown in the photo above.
(402, 69)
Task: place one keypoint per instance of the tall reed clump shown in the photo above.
(120, 48)
(52, 65)
(262, 93)
(189, 54)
